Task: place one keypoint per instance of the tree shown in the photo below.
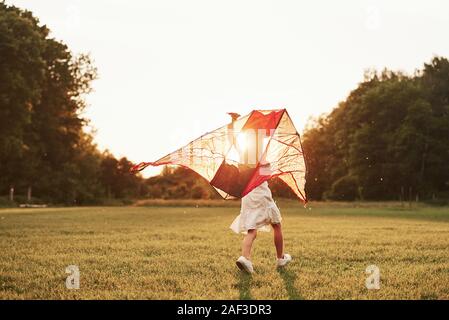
(179, 183)
(390, 134)
(22, 70)
(117, 180)
(42, 141)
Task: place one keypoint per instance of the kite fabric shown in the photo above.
(241, 155)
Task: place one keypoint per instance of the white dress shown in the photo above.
(258, 211)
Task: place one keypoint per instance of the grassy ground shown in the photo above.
(189, 252)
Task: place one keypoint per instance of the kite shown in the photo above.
(241, 155)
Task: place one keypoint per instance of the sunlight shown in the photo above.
(239, 148)
(265, 143)
(242, 141)
(233, 155)
(244, 147)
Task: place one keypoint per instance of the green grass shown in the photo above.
(189, 253)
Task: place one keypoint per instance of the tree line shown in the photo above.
(44, 150)
(388, 140)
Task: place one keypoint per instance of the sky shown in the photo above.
(170, 70)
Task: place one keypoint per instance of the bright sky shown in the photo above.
(170, 70)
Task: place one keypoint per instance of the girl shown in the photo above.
(258, 211)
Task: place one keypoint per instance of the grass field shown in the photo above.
(189, 253)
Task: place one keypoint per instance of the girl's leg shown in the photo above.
(278, 240)
(248, 243)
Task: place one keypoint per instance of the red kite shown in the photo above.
(239, 156)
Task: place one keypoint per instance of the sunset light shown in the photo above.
(234, 158)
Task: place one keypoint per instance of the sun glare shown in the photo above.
(242, 141)
(265, 142)
(238, 149)
(233, 155)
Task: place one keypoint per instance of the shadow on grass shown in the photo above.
(244, 285)
(289, 281)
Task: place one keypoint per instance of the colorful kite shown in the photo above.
(238, 157)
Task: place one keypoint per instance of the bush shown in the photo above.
(437, 202)
(198, 192)
(18, 199)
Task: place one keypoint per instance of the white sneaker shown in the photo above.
(244, 264)
(282, 262)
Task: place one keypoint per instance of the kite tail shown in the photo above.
(139, 167)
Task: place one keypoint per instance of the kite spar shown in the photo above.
(239, 156)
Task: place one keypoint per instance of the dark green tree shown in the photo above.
(389, 137)
(42, 98)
